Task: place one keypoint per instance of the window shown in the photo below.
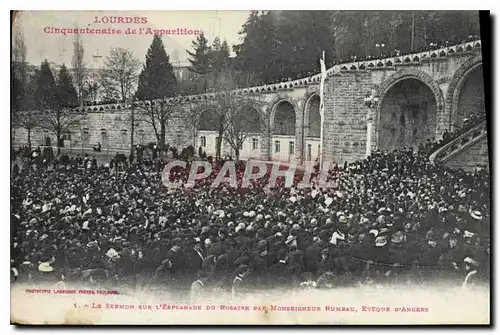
(124, 137)
(104, 138)
(203, 141)
(85, 137)
(66, 136)
(309, 154)
(277, 146)
(319, 150)
(141, 136)
(255, 144)
(291, 147)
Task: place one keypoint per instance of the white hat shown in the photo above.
(46, 207)
(374, 232)
(476, 215)
(471, 261)
(380, 241)
(290, 239)
(85, 225)
(337, 236)
(45, 267)
(111, 253)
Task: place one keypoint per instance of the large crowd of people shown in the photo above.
(468, 123)
(392, 218)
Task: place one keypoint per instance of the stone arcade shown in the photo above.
(420, 95)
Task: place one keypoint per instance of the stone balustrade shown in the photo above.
(372, 64)
(460, 143)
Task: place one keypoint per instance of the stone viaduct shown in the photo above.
(420, 95)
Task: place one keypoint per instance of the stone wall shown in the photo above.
(112, 129)
(468, 159)
(345, 117)
(345, 111)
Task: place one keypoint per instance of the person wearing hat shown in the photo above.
(280, 273)
(326, 262)
(312, 256)
(474, 222)
(198, 286)
(431, 250)
(239, 282)
(471, 268)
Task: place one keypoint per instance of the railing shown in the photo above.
(460, 143)
(372, 64)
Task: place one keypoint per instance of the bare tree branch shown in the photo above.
(121, 72)
(79, 70)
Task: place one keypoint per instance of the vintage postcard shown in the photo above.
(250, 167)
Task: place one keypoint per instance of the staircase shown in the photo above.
(457, 146)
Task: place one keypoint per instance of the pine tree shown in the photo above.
(200, 58)
(220, 55)
(46, 91)
(66, 92)
(156, 83)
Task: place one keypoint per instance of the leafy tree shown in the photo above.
(16, 92)
(23, 113)
(291, 42)
(200, 56)
(157, 83)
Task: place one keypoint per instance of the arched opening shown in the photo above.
(407, 115)
(248, 132)
(208, 132)
(209, 121)
(470, 103)
(283, 131)
(284, 119)
(250, 120)
(314, 120)
(312, 129)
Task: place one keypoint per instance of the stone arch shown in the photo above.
(400, 76)
(251, 117)
(290, 145)
(456, 84)
(208, 120)
(274, 108)
(312, 122)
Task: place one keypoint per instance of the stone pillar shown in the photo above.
(369, 133)
(299, 132)
(265, 142)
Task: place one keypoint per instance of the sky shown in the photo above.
(58, 48)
